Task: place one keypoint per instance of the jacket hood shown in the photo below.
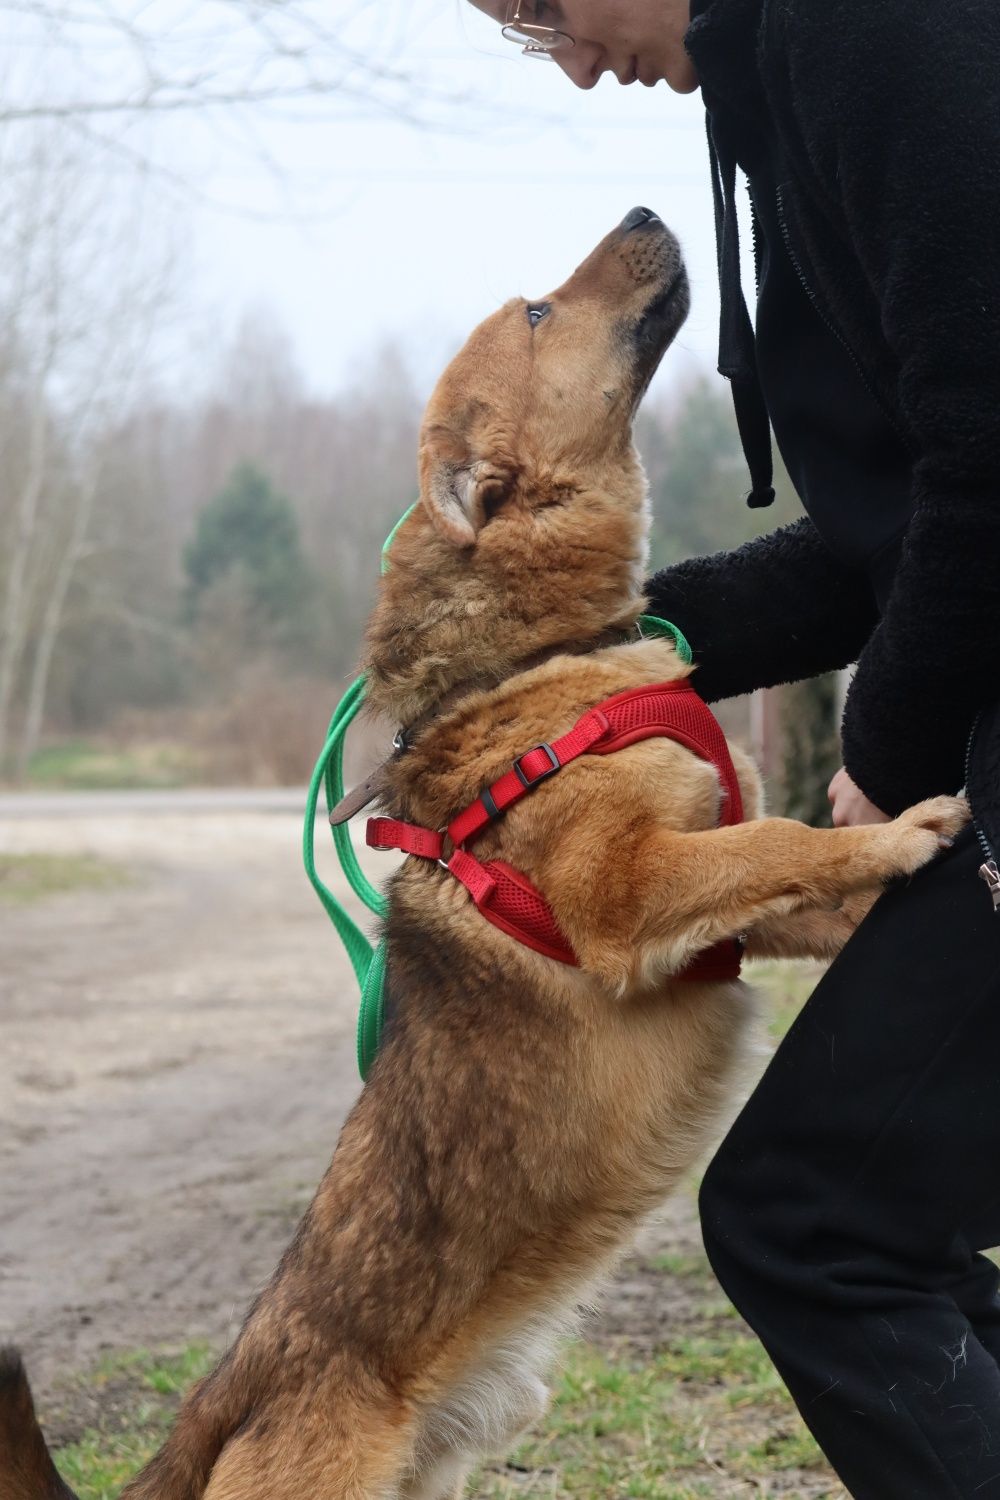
(723, 42)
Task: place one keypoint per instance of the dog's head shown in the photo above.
(532, 524)
(539, 404)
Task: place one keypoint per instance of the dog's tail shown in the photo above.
(26, 1468)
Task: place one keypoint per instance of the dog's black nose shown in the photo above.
(636, 217)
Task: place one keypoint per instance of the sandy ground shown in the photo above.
(176, 1058)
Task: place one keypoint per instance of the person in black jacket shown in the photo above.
(847, 1211)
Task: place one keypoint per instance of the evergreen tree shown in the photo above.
(698, 477)
(245, 561)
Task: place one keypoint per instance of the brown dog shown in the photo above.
(523, 1115)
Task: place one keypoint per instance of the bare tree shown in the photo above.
(77, 315)
(127, 58)
(31, 318)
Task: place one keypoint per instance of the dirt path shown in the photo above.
(176, 1058)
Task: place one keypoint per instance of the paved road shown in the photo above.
(127, 804)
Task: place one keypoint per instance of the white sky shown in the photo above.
(417, 235)
(350, 226)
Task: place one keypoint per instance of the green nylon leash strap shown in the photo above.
(652, 625)
(329, 773)
(368, 961)
(329, 776)
(392, 535)
(372, 1013)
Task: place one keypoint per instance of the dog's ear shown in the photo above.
(450, 493)
(459, 491)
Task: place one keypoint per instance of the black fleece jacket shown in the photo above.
(881, 120)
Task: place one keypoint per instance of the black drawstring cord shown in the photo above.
(737, 345)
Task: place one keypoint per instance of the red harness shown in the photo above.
(672, 710)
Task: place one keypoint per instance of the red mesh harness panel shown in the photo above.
(669, 710)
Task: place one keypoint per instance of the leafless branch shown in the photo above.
(266, 55)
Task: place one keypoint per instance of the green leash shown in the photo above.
(652, 625)
(367, 960)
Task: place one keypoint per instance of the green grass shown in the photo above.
(665, 1429)
(108, 1455)
(26, 879)
(695, 1420)
(683, 1267)
(79, 765)
(786, 987)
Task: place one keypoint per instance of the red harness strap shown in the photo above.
(672, 710)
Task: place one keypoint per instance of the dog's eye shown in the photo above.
(537, 311)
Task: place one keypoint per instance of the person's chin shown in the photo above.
(682, 79)
(679, 76)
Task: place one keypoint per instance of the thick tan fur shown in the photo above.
(523, 1116)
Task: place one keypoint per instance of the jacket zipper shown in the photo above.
(828, 322)
(988, 870)
(755, 238)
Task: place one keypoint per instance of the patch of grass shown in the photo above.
(80, 765)
(683, 1266)
(706, 1417)
(99, 1467)
(142, 1392)
(172, 1376)
(786, 987)
(28, 878)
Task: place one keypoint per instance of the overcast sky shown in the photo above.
(415, 234)
(344, 221)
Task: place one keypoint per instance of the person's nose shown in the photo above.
(583, 64)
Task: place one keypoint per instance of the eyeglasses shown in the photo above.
(534, 41)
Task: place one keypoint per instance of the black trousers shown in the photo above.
(845, 1211)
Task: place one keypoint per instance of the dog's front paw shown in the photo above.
(922, 831)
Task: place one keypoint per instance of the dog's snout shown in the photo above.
(637, 217)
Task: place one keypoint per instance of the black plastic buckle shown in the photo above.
(553, 767)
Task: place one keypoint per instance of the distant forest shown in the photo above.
(196, 574)
(189, 535)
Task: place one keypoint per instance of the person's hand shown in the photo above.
(850, 805)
